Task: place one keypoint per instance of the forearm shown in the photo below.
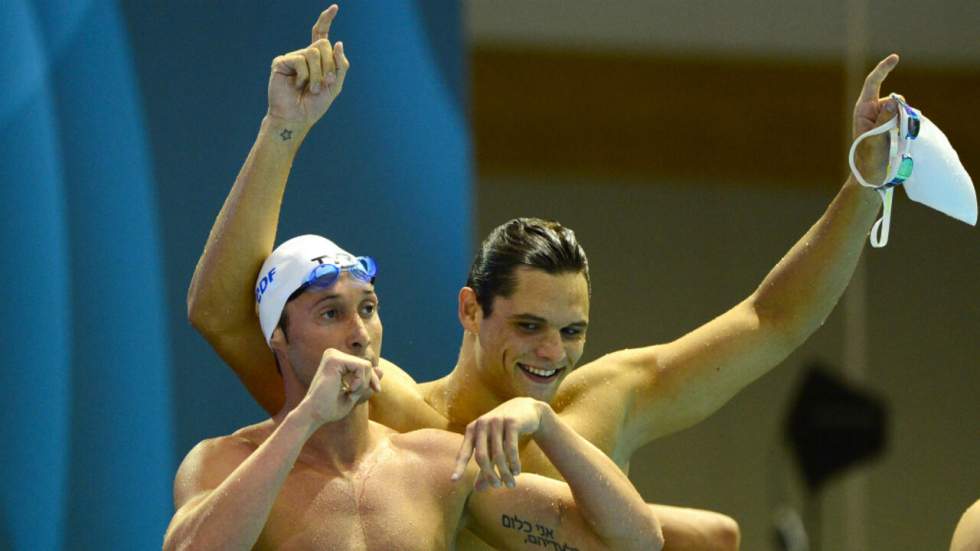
(602, 492)
(244, 231)
(234, 514)
(801, 291)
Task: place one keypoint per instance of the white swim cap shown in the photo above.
(924, 163)
(287, 269)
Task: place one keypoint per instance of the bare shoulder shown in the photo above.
(432, 442)
(394, 372)
(966, 537)
(211, 461)
(402, 404)
(613, 373)
(430, 454)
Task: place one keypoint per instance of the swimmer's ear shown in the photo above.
(469, 310)
(278, 338)
(278, 342)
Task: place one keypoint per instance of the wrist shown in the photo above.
(547, 420)
(304, 417)
(865, 195)
(284, 132)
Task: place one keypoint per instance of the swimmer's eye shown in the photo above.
(329, 314)
(528, 327)
(368, 309)
(572, 332)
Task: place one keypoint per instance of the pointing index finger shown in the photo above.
(321, 29)
(872, 84)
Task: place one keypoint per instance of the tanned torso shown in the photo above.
(398, 496)
(406, 406)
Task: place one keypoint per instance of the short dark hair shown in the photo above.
(541, 244)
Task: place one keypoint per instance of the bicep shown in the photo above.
(539, 511)
(244, 349)
(675, 385)
(204, 468)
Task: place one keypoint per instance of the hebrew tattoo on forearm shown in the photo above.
(537, 535)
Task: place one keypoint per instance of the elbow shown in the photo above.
(655, 533)
(196, 309)
(648, 537)
(723, 534)
(201, 316)
(786, 329)
(792, 323)
(655, 536)
(193, 313)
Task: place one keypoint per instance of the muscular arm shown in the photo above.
(598, 504)
(220, 302)
(224, 491)
(678, 384)
(670, 387)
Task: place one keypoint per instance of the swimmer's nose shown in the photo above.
(550, 348)
(359, 339)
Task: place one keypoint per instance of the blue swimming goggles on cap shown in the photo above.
(326, 274)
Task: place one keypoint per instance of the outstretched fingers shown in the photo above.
(872, 84)
(511, 443)
(482, 456)
(463, 455)
(500, 461)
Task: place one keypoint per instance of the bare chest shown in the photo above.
(389, 506)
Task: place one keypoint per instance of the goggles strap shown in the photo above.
(892, 149)
(879, 232)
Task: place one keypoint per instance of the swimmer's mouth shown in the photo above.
(540, 375)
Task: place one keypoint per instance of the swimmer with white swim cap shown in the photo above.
(525, 311)
(319, 474)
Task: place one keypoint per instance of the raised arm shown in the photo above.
(220, 301)
(598, 507)
(670, 387)
(225, 488)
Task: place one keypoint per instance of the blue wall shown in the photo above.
(123, 129)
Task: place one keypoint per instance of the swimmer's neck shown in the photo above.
(339, 446)
(462, 396)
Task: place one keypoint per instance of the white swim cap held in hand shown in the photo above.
(922, 161)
